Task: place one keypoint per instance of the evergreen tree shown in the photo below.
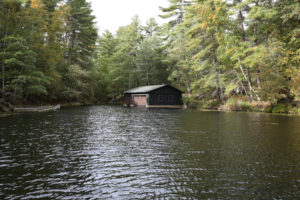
(22, 79)
(179, 59)
(82, 34)
(205, 39)
(150, 56)
(80, 37)
(175, 11)
(126, 70)
(103, 71)
(9, 25)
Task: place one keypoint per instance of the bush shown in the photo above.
(279, 108)
(211, 104)
(244, 106)
(231, 104)
(268, 109)
(293, 109)
(195, 103)
(238, 105)
(190, 102)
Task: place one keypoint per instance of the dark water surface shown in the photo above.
(104, 152)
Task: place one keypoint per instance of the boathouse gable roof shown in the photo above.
(148, 89)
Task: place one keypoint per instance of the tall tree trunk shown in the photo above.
(241, 83)
(71, 45)
(188, 88)
(242, 25)
(215, 69)
(218, 84)
(257, 77)
(216, 79)
(129, 80)
(3, 81)
(181, 10)
(148, 76)
(147, 72)
(256, 22)
(246, 93)
(221, 88)
(3, 60)
(248, 79)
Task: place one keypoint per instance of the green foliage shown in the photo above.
(294, 84)
(244, 106)
(293, 109)
(234, 104)
(102, 74)
(225, 48)
(76, 84)
(190, 102)
(82, 34)
(46, 50)
(210, 104)
(279, 108)
(149, 59)
(214, 50)
(22, 78)
(175, 12)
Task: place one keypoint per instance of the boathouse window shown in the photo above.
(170, 98)
(160, 98)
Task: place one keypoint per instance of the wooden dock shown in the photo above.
(37, 109)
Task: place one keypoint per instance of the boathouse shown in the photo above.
(154, 96)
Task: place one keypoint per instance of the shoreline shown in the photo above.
(77, 104)
(244, 111)
(5, 110)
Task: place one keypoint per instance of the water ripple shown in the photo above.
(105, 152)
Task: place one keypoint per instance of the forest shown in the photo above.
(224, 54)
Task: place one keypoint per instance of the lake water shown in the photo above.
(105, 152)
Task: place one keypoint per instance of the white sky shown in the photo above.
(111, 14)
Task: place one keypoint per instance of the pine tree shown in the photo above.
(205, 38)
(10, 24)
(150, 55)
(80, 37)
(126, 70)
(82, 34)
(103, 70)
(175, 11)
(22, 79)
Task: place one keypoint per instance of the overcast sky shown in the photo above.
(111, 14)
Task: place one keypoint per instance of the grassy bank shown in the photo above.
(239, 104)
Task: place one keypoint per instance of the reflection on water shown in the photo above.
(105, 152)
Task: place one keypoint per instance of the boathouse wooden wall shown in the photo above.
(165, 96)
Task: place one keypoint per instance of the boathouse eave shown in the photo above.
(148, 89)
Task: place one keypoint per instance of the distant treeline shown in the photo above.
(46, 50)
(214, 50)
